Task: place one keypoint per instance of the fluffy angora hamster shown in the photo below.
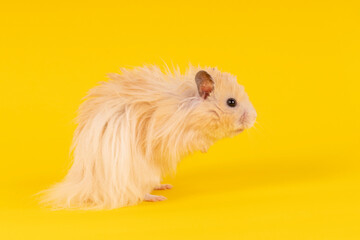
(135, 128)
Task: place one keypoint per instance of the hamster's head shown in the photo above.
(225, 109)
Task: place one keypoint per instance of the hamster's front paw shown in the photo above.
(163, 187)
(153, 198)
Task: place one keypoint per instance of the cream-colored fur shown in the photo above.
(134, 129)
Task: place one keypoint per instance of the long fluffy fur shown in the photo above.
(132, 131)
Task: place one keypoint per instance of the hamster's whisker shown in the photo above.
(258, 126)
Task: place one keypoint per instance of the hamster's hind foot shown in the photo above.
(153, 198)
(163, 187)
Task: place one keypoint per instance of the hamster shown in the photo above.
(134, 129)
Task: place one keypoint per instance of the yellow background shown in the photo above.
(296, 176)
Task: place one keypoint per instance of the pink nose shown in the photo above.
(243, 117)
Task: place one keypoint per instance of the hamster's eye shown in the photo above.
(231, 102)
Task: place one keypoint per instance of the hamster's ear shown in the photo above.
(205, 83)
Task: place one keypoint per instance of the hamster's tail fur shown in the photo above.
(102, 176)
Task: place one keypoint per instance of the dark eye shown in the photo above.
(231, 102)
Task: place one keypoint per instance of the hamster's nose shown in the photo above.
(243, 117)
(255, 114)
(248, 118)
